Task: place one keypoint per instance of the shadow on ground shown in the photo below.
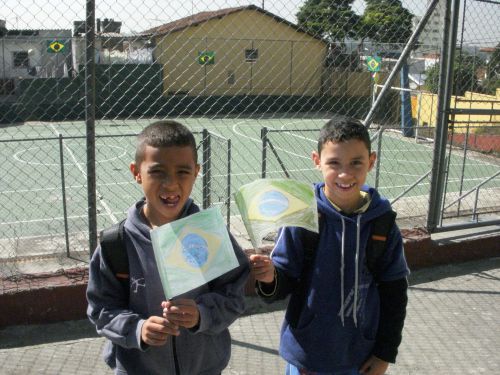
(29, 335)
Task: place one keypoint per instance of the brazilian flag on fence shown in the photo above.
(206, 57)
(56, 46)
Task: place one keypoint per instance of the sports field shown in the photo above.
(31, 189)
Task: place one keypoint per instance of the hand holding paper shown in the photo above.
(181, 312)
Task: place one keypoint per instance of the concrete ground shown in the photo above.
(452, 327)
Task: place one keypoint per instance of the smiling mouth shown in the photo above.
(170, 200)
(345, 186)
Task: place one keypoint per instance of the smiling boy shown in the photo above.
(147, 334)
(342, 318)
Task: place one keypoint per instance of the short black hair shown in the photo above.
(341, 129)
(164, 133)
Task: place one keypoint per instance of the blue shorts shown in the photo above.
(292, 370)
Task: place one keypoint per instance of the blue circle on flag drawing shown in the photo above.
(195, 250)
(273, 203)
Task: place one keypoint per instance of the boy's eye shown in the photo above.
(184, 171)
(156, 173)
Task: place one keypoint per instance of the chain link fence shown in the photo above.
(254, 81)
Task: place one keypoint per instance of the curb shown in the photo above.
(56, 297)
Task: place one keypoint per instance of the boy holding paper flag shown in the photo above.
(348, 286)
(148, 334)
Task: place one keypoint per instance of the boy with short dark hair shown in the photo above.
(148, 335)
(342, 318)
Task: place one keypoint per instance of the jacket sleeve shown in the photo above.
(288, 260)
(393, 301)
(279, 289)
(108, 306)
(226, 299)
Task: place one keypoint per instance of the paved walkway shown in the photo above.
(452, 327)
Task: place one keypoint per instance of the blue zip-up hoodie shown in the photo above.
(334, 328)
(204, 349)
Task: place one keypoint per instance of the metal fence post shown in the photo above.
(228, 182)
(90, 88)
(379, 156)
(63, 188)
(206, 169)
(263, 137)
(444, 94)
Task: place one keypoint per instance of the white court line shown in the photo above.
(457, 152)
(43, 236)
(269, 172)
(258, 140)
(84, 172)
(49, 219)
(67, 187)
(41, 220)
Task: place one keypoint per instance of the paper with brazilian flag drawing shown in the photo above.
(192, 251)
(268, 204)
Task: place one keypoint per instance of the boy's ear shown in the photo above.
(135, 172)
(197, 170)
(316, 159)
(373, 158)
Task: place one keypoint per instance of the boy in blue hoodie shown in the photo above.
(339, 319)
(147, 334)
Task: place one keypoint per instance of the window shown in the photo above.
(251, 55)
(21, 59)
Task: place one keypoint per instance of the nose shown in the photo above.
(344, 172)
(168, 180)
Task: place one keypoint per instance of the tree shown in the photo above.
(386, 21)
(333, 20)
(493, 67)
(464, 75)
(492, 81)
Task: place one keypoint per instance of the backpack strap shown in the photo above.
(115, 254)
(377, 242)
(310, 241)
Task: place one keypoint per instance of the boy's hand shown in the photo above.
(262, 268)
(156, 329)
(182, 312)
(374, 366)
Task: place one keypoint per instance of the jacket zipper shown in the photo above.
(176, 361)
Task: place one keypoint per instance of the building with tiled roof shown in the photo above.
(238, 51)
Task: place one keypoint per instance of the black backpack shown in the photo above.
(114, 252)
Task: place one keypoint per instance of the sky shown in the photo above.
(482, 27)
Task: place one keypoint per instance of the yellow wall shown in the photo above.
(345, 83)
(471, 100)
(289, 61)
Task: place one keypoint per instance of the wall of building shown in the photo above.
(289, 62)
(41, 63)
(426, 110)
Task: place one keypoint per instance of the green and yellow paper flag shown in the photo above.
(268, 204)
(190, 252)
